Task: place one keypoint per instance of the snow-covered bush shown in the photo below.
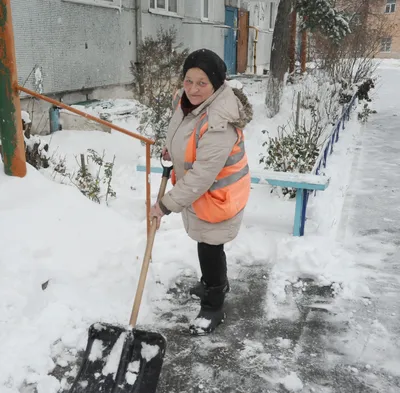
(366, 111)
(94, 177)
(36, 152)
(296, 147)
(293, 150)
(320, 100)
(156, 78)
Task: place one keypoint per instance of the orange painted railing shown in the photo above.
(148, 142)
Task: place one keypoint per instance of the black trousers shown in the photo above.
(212, 263)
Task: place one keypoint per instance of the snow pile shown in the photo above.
(110, 110)
(315, 259)
(56, 280)
(292, 382)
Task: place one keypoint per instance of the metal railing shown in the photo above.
(147, 141)
(327, 148)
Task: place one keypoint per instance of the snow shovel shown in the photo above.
(119, 359)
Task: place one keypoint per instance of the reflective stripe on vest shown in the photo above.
(229, 193)
(236, 156)
(231, 179)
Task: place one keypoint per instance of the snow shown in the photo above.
(25, 117)
(284, 342)
(48, 384)
(235, 84)
(292, 382)
(114, 357)
(90, 254)
(133, 370)
(149, 351)
(202, 323)
(291, 177)
(96, 351)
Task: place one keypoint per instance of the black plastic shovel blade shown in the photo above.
(120, 360)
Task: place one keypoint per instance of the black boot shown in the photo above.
(211, 313)
(198, 289)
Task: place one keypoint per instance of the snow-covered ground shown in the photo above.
(67, 262)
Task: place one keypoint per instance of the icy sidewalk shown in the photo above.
(372, 231)
(356, 348)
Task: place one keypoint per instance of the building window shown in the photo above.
(205, 12)
(386, 44)
(390, 6)
(271, 15)
(164, 5)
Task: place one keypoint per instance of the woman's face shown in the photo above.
(198, 87)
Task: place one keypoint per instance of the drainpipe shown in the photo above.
(138, 34)
(255, 48)
(138, 23)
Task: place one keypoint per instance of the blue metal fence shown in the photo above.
(327, 150)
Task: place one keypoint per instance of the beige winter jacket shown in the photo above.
(226, 108)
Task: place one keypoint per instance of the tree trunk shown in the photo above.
(279, 57)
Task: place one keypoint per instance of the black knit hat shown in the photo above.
(209, 62)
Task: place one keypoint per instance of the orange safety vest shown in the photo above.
(231, 189)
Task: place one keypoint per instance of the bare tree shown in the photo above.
(352, 61)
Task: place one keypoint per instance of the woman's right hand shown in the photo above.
(165, 154)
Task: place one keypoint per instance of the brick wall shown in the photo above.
(74, 46)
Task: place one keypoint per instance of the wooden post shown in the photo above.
(11, 133)
(292, 47)
(303, 50)
(83, 165)
(298, 111)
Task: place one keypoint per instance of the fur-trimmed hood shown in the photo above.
(231, 105)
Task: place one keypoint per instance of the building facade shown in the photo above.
(390, 44)
(76, 50)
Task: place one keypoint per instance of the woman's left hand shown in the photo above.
(157, 213)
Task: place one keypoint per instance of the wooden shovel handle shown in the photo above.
(147, 254)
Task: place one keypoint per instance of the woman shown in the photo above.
(211, 176)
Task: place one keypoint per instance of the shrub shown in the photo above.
(156, 78)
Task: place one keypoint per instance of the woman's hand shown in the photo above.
(156, 212)
(165, 154)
